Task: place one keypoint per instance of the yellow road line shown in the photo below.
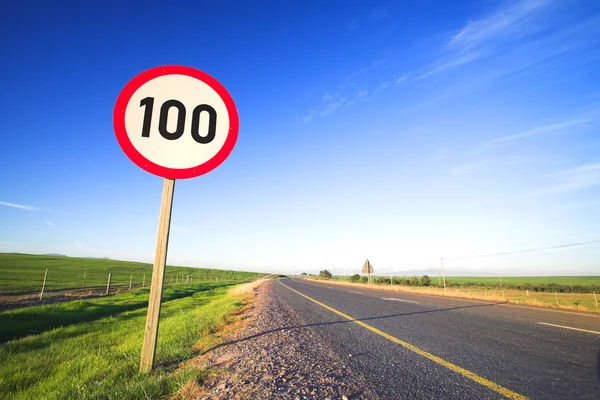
(569, 327)
(453, 367)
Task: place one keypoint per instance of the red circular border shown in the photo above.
(149, 166)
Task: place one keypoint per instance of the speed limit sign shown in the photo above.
(176, 122)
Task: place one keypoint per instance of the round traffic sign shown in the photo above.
(176, 122)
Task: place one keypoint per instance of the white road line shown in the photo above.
(568, 327)
(354, 292)
(392, 299)
(328, 287)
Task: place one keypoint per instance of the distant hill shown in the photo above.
(55, 255)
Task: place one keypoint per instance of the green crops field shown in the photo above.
(22, 273)
(512, 280)
(532, 280)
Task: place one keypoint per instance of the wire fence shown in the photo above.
(51, 283)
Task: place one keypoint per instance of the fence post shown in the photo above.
(130, 279)
(83, 284)
(596, 299)
(144, 280)
(527, 293)
(108, 284)
(556, 294)
(44, 285)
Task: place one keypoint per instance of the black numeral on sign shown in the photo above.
(148, 103)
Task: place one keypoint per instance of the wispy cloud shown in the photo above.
(181, 229)
(511, 19)
(579, 178)
(528, 36)
(466, 168)
(380, 12)
(78, 244)
(482, 37)
(366, 69)
(540, 130)
(19, 206)
(49, 223)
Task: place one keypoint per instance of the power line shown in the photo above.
(525, 251)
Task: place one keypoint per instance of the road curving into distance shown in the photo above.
(419, 346)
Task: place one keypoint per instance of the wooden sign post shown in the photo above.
(175, 122)
(158, 277)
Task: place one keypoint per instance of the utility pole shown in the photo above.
(443, 275)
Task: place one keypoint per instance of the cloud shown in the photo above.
(515, 37)
(78, 244)
(366, 69)
(441, 154)
(540, 130)
(511, 19)
(466, 168)
(380, 12)
(19, 206)
(181, 229)
(579, 178)
(50, 223)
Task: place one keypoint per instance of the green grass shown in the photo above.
(26, 321)
(99, 359)
(532, 280)
(25, 273)
(513, 280)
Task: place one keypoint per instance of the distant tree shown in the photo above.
(364, 279)
(355, 278)
(414, 281)
(325, 274)
(425, 280)
(304, 274)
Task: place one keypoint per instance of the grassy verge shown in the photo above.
(24, 273)
(33, 320)
(100, 359)
(571, 301)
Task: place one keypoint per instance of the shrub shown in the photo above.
(325, 274)
(355, 278)
(425, 280)
(364, 279)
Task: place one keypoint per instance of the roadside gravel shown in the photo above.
(276, 357)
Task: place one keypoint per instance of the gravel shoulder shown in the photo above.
(275, 356)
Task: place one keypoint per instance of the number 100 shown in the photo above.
(148, 103)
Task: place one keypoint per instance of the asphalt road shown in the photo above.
(417, 346)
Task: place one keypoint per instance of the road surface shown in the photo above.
(417, 346)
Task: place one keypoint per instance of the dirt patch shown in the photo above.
(262, 358)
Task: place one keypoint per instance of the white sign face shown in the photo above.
(176, 122)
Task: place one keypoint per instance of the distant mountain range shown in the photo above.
(55, 254)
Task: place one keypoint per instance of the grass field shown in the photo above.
(571, 301)
(25, 273)
(511, 280)
(521, 280)
(91, 349)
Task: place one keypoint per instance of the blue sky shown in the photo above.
(399, 131)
